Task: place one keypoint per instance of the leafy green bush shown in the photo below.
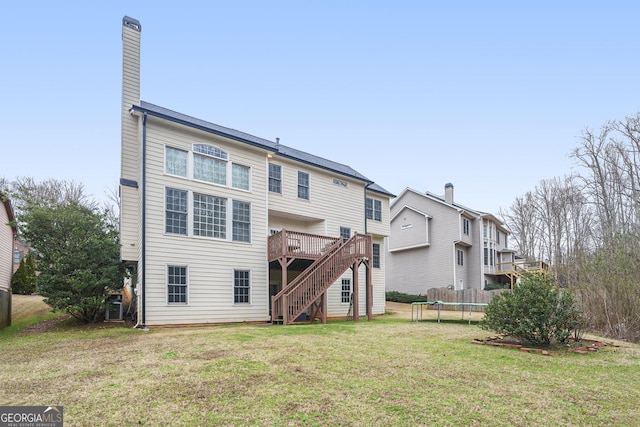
(395, 296)
(535, 311)
(24, 279)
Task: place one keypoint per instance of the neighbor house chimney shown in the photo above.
(448, 193)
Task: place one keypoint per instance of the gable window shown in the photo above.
(373, 209)
(275, 178)
(465, 226)
(176, 211)
(346, 291)
(176, 284)
(241, 286)
(175, 161)
(460, 257)
(375, 259)
(241, 221)
(303, 185)
(209, 216)
(345, 233)
(209, 164)
(240, 177)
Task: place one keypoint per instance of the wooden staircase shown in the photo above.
(308, 289)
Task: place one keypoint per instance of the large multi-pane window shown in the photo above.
(209, 216)
(241, 221)
(375, 259)
(176, 284)
(205, 163)
(275, 178)
(209, 164)
(175, 161)
(373, 209)
(176, 211)
(240, 177)
(241, 286)
(303, 185)
(346, 291)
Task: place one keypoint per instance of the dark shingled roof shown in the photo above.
(282, 150)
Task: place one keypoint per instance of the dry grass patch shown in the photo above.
(384, 372)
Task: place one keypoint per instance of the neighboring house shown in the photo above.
(222, 226)
(8, 233)
(20, 250)
(436, 242)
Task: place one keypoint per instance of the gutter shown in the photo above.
(144, 220)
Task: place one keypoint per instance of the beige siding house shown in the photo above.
(8, 233)
(435, 242)
(222, 226)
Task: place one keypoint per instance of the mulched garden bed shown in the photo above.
(583, 346)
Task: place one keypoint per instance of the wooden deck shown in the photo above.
(514, 270)
(332, 257)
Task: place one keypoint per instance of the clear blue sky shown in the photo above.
(490, 96)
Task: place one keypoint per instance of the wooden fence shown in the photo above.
(464, 295)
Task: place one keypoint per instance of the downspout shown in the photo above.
(366, 187)
(370, 264)
(144, 220)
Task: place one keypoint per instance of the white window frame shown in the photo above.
(303, 187)
(375, 256)
(229, 217)
(233, 180)
(346, 292)
(278, 180)
(466, 226)
(186, 285)
(211, 151)
(249, 286)
(166, 210)
(373, 212)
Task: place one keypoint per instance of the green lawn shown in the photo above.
(388, 372)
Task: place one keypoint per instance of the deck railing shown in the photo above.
(296, 244)
(298, 295)
(520, 267)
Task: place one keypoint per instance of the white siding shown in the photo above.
(130, 146)
(337, 206)
(6, 250)
(211, 262)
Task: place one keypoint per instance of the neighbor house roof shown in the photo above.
(279, 149)
(10, 214)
